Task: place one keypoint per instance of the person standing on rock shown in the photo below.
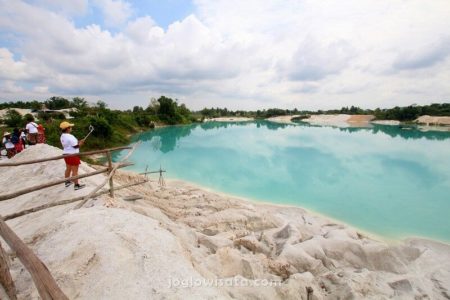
(10, 150)
(16, 140)
(32, 129)
(71, 146)
(41, 134)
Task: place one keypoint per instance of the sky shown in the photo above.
(251, 54)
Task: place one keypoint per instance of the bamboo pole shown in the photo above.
(63, 202)
(110, 167)
(113, 171)
(44, 281)
(5, 276)
(34, 161)
(56, 182)
(153, 172)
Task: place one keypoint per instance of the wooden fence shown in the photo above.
(42, 278)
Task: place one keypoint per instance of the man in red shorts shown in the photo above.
(71, 146)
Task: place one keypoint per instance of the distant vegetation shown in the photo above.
(404, 114)
(113, 127)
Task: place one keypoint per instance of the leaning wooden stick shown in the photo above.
(111, 174)
(44, 281)
(67, 201)
(48, 184)
(59, 181)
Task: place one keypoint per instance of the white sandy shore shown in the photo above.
(340, 120)
(283, 119)
(433, 120)
(229, 119)
(183, 234)
(386, 122)
(22, 111)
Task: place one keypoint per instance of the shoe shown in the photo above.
(78, 186)
(68, 183)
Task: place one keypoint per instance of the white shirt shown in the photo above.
(32, 127)
(68, 142)
(8, 144)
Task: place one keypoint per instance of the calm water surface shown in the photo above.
(384, 179)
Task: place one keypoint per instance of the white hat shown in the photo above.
(6, 133)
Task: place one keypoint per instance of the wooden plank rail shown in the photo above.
(34, 161)
(63, 202)
(44, 281)
(56, 182)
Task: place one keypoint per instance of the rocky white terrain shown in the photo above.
(433, 120)
(186, 242)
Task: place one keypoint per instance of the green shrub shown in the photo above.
(101, 127)
(13, 119)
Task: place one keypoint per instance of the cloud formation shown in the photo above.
(240, 54)
(424, 57)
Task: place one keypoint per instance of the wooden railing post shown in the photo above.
(111, 174)
(110, 167)
(5, 277)
(44, 281)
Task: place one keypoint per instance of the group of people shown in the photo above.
(16, 141)
(33, 134)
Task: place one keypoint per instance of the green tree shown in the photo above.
(79, 103)
(168, 110)
(153, 107)
(13, 119)
(102, 105)
(137, 109)
(101, 126)
(57, 103)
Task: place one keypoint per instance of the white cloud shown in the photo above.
(424, 57)
(241, 54)
(11, 69)
(115, 12)
(10, 87)
(41, 89)
(313, 61)
(66, 7)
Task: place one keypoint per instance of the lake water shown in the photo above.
(386, 180)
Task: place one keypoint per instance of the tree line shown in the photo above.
(112, 127)
(404, 114)
(169, 111)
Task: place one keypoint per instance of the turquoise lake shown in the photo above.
(387, 180)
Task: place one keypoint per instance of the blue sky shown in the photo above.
(250, 54)
(163, 13)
